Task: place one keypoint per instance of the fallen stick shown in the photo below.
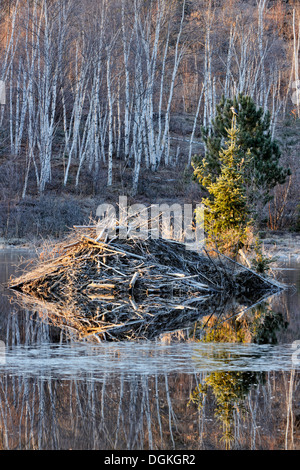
(84, 226)
(134, 305)
(127, 253)
(101, 286)
(108, 248)
(72, 244)
(101, 297)
(133, 280)
(114, 269)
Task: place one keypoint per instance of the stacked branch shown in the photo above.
(130, 288)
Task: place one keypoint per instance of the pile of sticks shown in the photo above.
(131, 288)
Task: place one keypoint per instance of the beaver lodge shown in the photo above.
(132, 288)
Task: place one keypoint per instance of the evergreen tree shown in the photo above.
(263, 171)
(227, 214)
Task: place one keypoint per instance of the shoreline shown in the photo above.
(285, 246)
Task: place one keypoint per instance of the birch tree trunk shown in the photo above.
(229, 59)
(143, 32)
(179, 51)
(261, 9)
(91, 147)
(72, 128)
(126, 53)
(296, 48)
(207, 115)
(139, 123)
(195, 125)
(110, 118)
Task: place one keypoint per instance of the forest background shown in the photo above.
(107, 98)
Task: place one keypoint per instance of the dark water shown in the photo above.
(238, 390)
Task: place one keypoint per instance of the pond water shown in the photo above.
(236, 388)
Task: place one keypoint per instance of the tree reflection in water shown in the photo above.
(140, 411)
(231, 388)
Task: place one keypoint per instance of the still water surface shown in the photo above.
(164, 394)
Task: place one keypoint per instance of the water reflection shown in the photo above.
(258, 325)
(230, 385)
(149, 411)
(230, 389)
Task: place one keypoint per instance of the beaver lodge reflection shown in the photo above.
(131, 289)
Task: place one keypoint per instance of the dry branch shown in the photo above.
(125, 298)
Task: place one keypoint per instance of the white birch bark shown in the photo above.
(277, 102)
(90, 147)
(162, 84)
(110, 118)
(49, 59)
(229, 60)
(127, 40)
(73, 127)
(207, 117)
(261, 9)
(296, 48)
(143, 33)
(31, 54)
(179, 51)
(139, 123)
(195, 125)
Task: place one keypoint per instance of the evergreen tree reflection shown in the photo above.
(230, 388)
